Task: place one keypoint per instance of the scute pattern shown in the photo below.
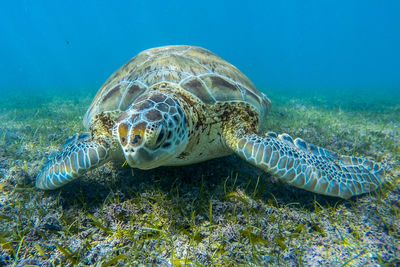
(223, 89)
(199, 89)
(195, 69)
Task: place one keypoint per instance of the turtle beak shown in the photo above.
(139, 158)
(144, 159)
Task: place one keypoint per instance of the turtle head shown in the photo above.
(153, 131)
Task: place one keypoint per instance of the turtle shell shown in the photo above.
(195, 69)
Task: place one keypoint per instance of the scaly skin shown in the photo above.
(309, 167)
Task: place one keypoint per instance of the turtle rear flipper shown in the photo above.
(79, 154)
(311, 167)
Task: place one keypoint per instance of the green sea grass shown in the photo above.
(220, 212)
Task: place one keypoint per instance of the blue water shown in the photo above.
(307, 45)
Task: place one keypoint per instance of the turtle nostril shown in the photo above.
(132, 150)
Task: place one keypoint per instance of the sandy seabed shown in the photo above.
(220, 212)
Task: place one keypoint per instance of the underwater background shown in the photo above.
(331, 70)
(307, 45)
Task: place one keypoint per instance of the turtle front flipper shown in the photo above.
(310, 167)
(79, 154)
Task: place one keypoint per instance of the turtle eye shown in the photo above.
(136, 139)
(137, 134)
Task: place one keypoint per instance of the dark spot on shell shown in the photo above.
(134, 87)
(196, 87)
(134, 90)
(220, 82)
(111, 93)
(193, 84)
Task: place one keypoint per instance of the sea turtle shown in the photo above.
(178, 105)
